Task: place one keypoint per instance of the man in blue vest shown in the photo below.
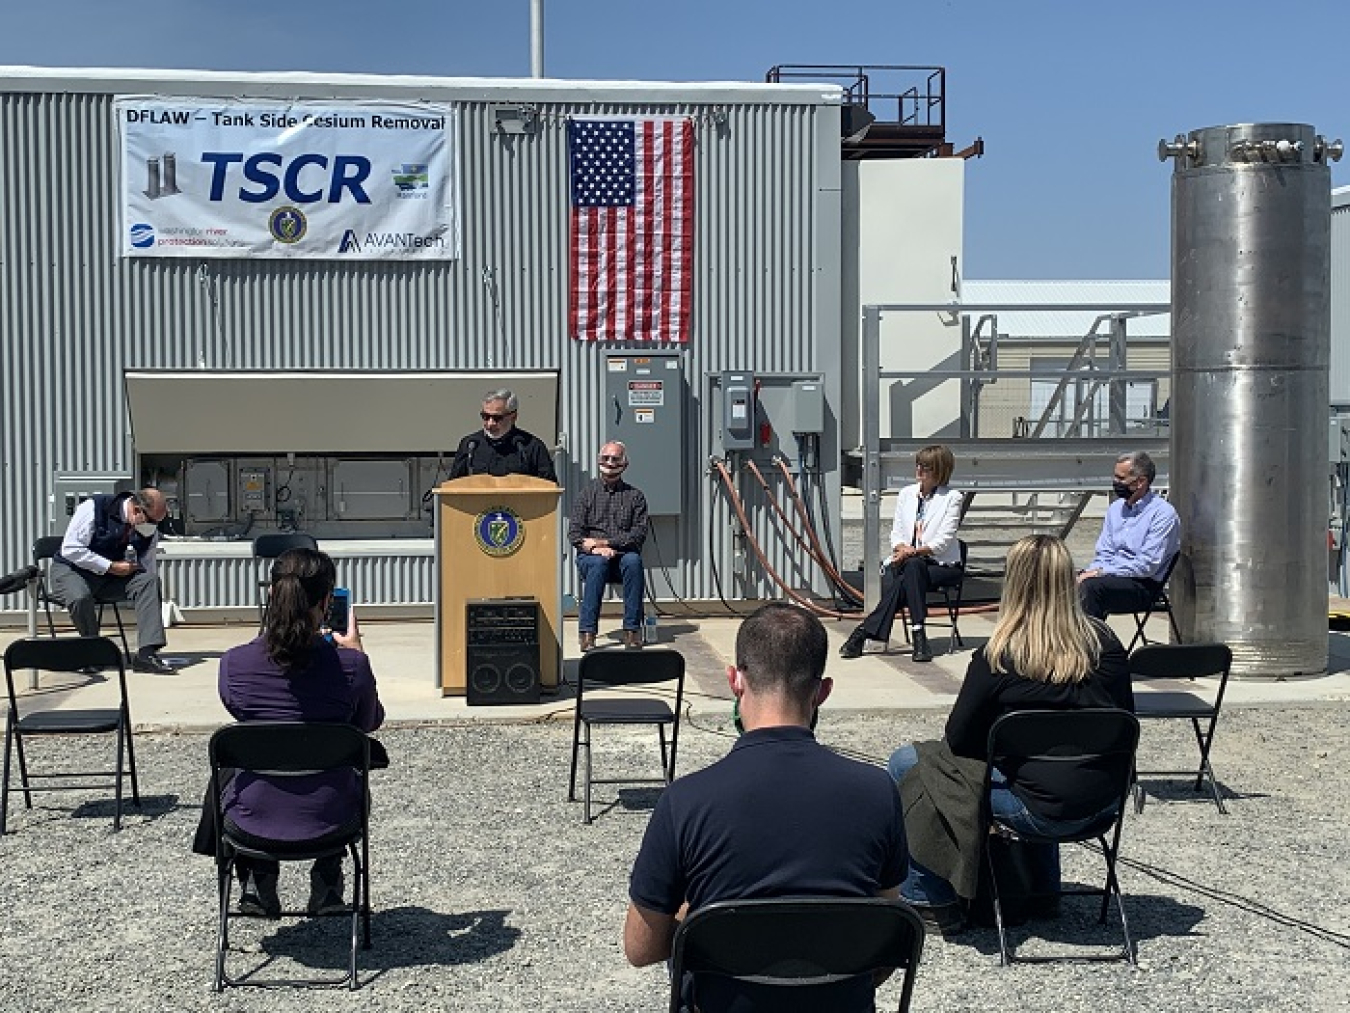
(109, 555)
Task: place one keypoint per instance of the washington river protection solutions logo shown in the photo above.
(499, 531)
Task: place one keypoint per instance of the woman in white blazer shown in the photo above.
(925, 553)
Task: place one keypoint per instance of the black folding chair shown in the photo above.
(1182, 661)
(949, 597)
(794, 953)
(1161, 604)
(290, 749)
(1096, 747)
(267, 548)
(44, 550)
(616, 670)
(67, 654)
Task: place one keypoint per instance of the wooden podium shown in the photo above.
(496, 537)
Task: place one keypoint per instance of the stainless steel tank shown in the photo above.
(1251, 233)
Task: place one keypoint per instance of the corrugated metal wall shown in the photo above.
(73, 315)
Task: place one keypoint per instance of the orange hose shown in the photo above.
(759, 552)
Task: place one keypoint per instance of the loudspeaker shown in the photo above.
(502, 656)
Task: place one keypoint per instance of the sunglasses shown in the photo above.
(485, 416)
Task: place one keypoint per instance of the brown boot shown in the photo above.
(587, 642)
(632, 639)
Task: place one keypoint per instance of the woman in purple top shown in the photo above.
(292, 673)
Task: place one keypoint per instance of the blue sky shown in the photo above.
(1070, 96)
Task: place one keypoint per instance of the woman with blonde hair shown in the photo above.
(1045, 653)
(925, 553)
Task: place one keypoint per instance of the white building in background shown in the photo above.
(1035, 340)
(1340, 298)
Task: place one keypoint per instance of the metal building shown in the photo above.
(80, 325)
(1340, 299)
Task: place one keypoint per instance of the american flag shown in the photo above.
(632, 243)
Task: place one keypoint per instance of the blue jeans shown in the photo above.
(596, 572)
(924, 887)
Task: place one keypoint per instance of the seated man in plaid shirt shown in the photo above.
(608, 527)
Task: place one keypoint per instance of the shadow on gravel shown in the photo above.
(1182, 790)
(152, 807)
(630, 800)
(399, 937)
(1077, 930)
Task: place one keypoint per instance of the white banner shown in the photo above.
(227, 178)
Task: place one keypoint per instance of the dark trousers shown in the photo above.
(82, 590)
(1111, 595)
(907, 584)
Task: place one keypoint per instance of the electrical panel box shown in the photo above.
(738, 411)
(805, 408)
(373, 490)
(253, 490)
(207, 488)
(644, 410)
(71, 488)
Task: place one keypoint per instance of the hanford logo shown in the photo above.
(142, 236)
(499, 531)
(287, 225)
(412, 180)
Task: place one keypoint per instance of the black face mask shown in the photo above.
(1121, 490)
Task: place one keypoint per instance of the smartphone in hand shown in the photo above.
(339, 608)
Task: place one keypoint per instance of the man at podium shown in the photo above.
(607, 529)
(500, 448)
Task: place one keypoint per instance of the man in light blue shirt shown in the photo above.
(1139, 537)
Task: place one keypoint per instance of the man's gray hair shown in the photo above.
(502, 395)
(1140, 464)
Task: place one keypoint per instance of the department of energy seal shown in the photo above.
(287, 225)
(499, 531)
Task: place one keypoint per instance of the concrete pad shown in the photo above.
(402, 654)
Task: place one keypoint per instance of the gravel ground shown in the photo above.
(491, 895)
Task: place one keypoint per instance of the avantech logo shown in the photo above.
(350, 244)
(142, 236)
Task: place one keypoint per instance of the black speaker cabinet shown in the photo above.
(502, 655)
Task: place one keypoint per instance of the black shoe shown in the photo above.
(325, 890)
(922, 652)
(258, 896)
(944, 920)
(91, 670)
(853, 646)
(153, 664)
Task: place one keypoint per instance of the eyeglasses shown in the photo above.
(495, 416)
(922, 467)
(611, 459)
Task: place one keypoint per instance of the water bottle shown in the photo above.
(649, 630)
(131, 557)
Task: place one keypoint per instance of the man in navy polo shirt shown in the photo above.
(779, 816)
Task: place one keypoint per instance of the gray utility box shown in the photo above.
(644, 409)
(71, 488)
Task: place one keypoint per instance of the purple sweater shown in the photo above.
(336, 686)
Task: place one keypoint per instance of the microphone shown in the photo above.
(473, 446)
